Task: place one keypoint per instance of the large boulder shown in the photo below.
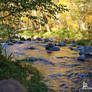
(11, 86)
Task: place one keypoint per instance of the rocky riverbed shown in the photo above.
(64, 66)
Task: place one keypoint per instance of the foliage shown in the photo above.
(84, 42)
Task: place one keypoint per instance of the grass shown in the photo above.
(84, 42)
(25, 73)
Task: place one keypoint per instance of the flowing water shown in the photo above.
(62, 71)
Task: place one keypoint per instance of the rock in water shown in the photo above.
(39, 39)
(82, 58)
(31, 48)
(90, 74)
(52, 47)
(62, 44)
(10, 43)
(32, 59)
(11, 86)
(74, 45)
(28, 39)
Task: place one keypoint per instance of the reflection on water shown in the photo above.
(66, 72)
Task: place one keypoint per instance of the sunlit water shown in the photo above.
(64, 73)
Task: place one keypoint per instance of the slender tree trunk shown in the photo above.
(47, 27)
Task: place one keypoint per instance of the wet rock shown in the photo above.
(59, 57)
(90, 74)
(48, 51)
(10, 43)
(56, 75)
(73, 65)
(87, 47)
(61, 44)
(82, 51)
(43, 45)
(76, 81)
(33, 59)
(20, 42)
(75, 53)
(82, 76)
(52, 47)
(11, 86)
(74, 45)
(70, 75)
(28, 39)
(80, 47)
(47, 40)
(62, 85)
(82, 58)
(71, 48)
(75, 49)
(39, 39)
(87, 50)
(31, 48)
(19, 53)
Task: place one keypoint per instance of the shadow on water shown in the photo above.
(61, 69)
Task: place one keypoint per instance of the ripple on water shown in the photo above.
(61, 69)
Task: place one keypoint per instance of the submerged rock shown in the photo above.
(61, 44)
(76, 81)
(73, 65)
(45, 61)
(19, 53)
(56, 75)
(54, 49)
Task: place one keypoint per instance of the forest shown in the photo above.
(45, 45)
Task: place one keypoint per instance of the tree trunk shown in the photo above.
(47, 27)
